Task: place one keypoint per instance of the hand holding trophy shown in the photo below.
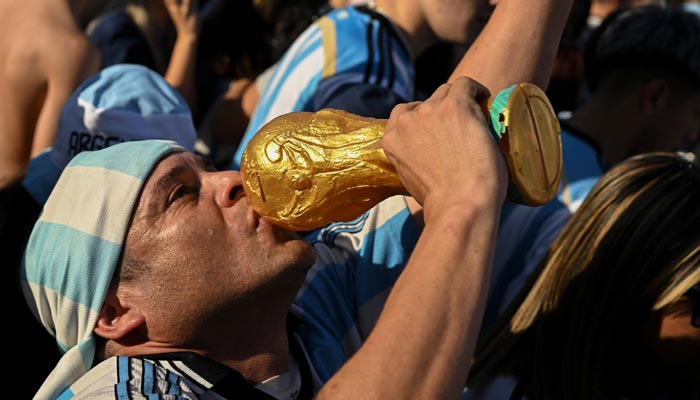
(304, 170)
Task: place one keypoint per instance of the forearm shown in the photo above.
(517, 45)
(422, 344)
(181, 70)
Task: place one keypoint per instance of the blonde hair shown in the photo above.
(631, 249)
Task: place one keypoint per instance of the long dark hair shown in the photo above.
(577, 331)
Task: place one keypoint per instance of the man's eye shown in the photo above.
(181, 191)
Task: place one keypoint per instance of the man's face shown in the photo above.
(675, 127)
(457, 21)
(205, 248)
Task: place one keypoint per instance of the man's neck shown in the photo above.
(260, 358)
(410, 20)
(255, 345)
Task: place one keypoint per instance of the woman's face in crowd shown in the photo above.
(677, 345)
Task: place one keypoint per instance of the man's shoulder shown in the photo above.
(131, 377)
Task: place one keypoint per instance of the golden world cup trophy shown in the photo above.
(304, 170)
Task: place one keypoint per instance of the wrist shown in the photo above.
(460, 210)
(187, 37)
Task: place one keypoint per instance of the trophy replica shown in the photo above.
(304, 170)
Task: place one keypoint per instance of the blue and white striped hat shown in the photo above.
(121, 103)
(76, 244)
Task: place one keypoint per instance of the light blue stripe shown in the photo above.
(305, 100)
(384, 255)
(123, 368)
(148, 382)
(173, 379)
(352, 53)
(72, 253)
(66, 395)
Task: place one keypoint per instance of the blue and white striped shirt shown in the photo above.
(346, 47)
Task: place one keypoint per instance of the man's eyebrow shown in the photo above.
(207, 163)
(168, 178)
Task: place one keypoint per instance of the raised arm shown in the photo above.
(422, 344)
(182, 66)
(517, 45)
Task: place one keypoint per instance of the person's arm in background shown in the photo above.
(517, 45)
(423, 342)
(182, 67)
(67, 66)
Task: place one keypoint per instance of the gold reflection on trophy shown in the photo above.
(304, 170)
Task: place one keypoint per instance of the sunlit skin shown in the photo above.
(193, 226)
(457, 21)
(677, 345)
(425, 22)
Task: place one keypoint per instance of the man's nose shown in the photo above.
(226, 186)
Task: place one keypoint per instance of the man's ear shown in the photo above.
(655, 95)
(117, 320)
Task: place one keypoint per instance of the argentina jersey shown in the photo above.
(357, 264)
(348, 46)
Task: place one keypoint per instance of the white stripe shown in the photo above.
(346, 245)
(70, 314)
(295, 84)
(289, 57)
(70, 205)
(191, 374)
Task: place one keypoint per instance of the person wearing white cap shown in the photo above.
(120, 103)
(157, 278)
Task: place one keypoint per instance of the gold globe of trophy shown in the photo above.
(304, 170)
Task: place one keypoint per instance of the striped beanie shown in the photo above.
(75, 247)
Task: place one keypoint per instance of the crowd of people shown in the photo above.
(138, 268)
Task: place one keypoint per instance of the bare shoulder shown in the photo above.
(40, 45)
(69, 56)
(44, 56)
